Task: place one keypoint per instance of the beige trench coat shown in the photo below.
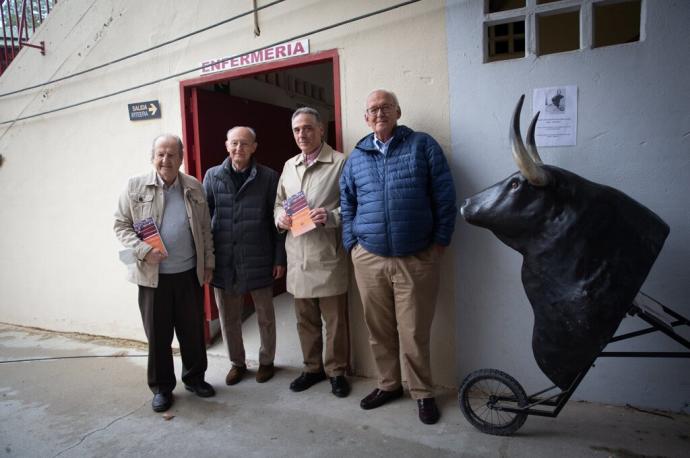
(316, 261)
(143, 198)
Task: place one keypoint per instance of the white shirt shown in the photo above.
(382, 146)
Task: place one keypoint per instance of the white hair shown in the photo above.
(391, 94)
(177, 139)
(251, 131)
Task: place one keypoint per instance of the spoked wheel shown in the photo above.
(484, 393)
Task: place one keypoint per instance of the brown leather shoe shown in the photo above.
(265, 373)
(235, 374)
(428, 412)
(377, 398)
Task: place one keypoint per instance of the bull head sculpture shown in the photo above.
(587, 248)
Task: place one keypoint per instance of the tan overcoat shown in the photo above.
(316, 261)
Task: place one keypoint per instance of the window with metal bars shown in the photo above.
(516, 28)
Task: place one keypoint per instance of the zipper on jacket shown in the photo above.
(385, 203)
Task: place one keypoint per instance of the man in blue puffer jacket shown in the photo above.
(398, 215)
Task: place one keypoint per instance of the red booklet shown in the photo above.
(147, 231)
(297, 207)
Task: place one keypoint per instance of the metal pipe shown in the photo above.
(33, 19)
(257, 30)
(14, 51)
(4, 36)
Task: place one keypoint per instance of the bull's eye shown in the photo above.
(515, 184)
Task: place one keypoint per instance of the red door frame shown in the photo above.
(189, 118)
(190, 126)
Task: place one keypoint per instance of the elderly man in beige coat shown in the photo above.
(317, 273)
(170, 275)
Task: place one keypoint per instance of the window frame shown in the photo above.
(529, 14)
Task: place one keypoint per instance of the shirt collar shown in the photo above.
(161, 183)
(382, 146)
(302, 158)
(310, 158)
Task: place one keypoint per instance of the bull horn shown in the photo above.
(528, 168)
(531, 144)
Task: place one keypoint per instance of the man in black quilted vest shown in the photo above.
(250, 254)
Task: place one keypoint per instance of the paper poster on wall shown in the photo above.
(557, 125)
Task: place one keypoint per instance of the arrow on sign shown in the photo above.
(140, 111)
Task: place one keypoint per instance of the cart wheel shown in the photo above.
(480, 395)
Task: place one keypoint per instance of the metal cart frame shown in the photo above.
(495, 403)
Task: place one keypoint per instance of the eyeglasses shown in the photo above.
(236, 144)
(385, 109)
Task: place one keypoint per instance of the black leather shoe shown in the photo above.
(377, 398)
(162, 402)
(306, 380)
(201, 389)
(339, 386)
(428, 412)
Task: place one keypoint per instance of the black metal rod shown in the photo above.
(669, 332)
(541, 392)
(646, 354)
(629, 335)
(676, 315)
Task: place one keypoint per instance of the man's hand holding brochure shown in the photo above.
(297, 208)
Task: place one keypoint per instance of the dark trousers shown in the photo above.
(175, 306)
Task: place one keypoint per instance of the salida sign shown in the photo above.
(144, 110)
(277, 52)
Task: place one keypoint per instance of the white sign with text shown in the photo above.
(557, 125)
(262, 56)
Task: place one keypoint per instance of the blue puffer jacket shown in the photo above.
(400, 203)
(246, 241)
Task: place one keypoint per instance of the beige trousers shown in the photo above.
(399, 298)
(230, 314)
(334, 311)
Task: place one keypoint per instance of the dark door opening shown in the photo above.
(264, 98)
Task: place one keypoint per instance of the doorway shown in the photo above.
(262, 97)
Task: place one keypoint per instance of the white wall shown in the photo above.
(633, 134)
(64, 171)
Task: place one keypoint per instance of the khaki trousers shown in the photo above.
(399, 298)
(334, 311)
(230, 314)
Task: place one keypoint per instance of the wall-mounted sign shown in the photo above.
(144, 110)
(262, 56)
(557, 124)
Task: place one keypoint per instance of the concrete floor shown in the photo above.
(78, 404)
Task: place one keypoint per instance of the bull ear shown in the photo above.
(528, 168)
(531, 144)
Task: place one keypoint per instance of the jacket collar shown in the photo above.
(226, 167)
(366, 144)
(183, 178)
(326, 155)
(150, 179)
(224, 173)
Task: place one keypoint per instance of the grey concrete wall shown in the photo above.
(633, 134)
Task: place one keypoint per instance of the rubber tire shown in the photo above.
(488, 425)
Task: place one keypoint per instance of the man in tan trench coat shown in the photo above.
(317, 273)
